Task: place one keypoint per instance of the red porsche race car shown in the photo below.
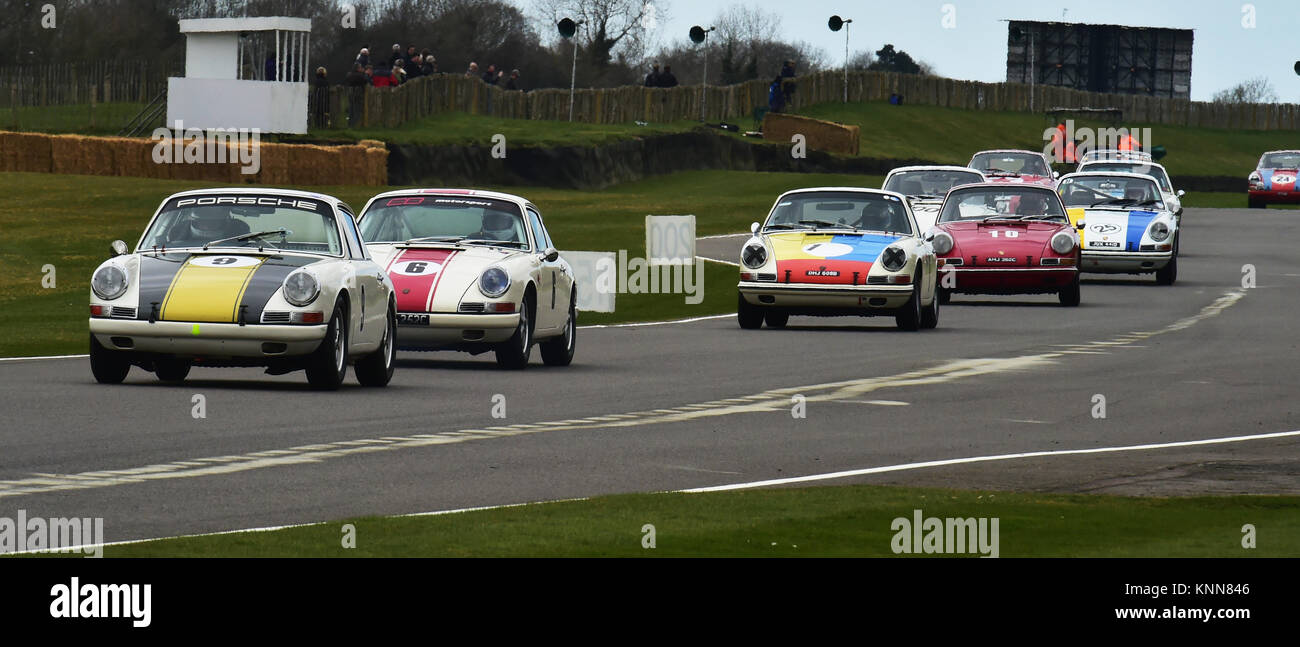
(1006, 239)
(1015, 167)
(1274, 179)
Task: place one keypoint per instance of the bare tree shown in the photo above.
(1256, 90)
(608, 25)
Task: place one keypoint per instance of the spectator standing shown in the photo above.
(356, 82)
(490, 76)
(428, 64)
(513, 82)
(413, 66)
(396, 55)
(363, 59)
(472, 72)
(788, 84)
(399, 73)
(775, 96)
(320, 90)
(652, 79)
(382, 77)
(410, 54)
(667, 80)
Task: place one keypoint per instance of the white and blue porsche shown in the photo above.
(1125, 226)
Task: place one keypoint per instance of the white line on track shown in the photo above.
(20, 359)
(983, 459)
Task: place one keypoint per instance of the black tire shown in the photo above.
(909, 316)
(376, 369)
(108, 366)
(748, 315)
(1070, 295)
(776, 319)
(1255, 204)
(559, 350)
(944, 294)
(1169, 273)
(327, 366)
(514, 353)
(171, 370)
(930, 314)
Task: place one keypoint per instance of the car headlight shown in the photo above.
(1158, 231)
(1062, 243)
(893, 258)
(301, 288)
(942, 243)
(493, 282)
(754, 255)
(109, 282)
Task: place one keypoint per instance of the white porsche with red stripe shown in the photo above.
(473, 271)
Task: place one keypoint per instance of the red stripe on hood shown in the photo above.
(415, 289)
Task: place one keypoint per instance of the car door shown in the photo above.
(551, 307)
(372, 288)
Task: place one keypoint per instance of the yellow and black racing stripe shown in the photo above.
(211, 288)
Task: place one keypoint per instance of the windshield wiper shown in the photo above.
(484, 241)
(1114, 201)
(436, 239)
(1004, 217)
(827, 224)
(256, 234)
(782, 225)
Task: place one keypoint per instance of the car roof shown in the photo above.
(1004, 186)
(1009, 150)
(1135, 162)
(1286, 150)
(1143, 176)
(479, 193)
(934, 167)
(257, 190)
(853, 189)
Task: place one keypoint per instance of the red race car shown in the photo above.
(1274, 180)
(996, 238)
(1015, 167)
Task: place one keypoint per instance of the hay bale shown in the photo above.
(372, 143)
(132, 157)
(65, 154)
(312, 165)
(820, 135)
(376, 167)
(275, 164)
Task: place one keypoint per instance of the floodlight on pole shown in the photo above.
(836, 23)
(698, 35)
(567, 29)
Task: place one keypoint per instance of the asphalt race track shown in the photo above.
(699, 404)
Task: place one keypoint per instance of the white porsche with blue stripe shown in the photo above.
(833, 251)
(1125, 225)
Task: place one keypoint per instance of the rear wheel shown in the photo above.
(171, 370)
(909, 316)
(514, 353)
(376, 369)
(748, 315)
(327, 366)
(559, 350)
(108, 366)
(776, 319)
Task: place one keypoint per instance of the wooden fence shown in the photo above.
(426, 96)
(57, 84)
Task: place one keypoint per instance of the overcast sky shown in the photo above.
(1226, 50)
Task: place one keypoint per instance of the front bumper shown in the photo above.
(454, 329)
(1008, 280)
(806, 295)
(1276, 197)
(187, 338)
(1124, 262)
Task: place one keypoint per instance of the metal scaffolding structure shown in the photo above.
(1101, 58)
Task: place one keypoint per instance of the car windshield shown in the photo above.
(1007, 202)
(1133, 167)
(1280, 160)
(1010, 163)
(244, 220)
(841, 210)
(437, 218)
(929, 182)
(1110, 191)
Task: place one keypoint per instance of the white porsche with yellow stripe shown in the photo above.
(245, 277)
(838, 251)
(1125, 226)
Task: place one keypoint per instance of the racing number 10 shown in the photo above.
(1011, 233)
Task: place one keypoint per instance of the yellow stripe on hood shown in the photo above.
(207, 293)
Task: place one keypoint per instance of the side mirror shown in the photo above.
(1056, 174)
(551, 254)
(1079, 225)
(753, 228)
(119, 247)
(1181, 193)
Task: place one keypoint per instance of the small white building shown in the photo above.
(243, 73)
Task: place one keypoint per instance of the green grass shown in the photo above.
(463, 128)
(1224, 201)
(104, 119)
(68, 222)
(951, 136)
(844, 521)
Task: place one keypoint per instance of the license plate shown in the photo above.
(1000, 259)
(408, 319)
(1103, 244)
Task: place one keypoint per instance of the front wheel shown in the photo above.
(376, 369)
(559, 351)
(108, 366)
(909, 316)
(1255, 204)
(171, 370)
(1169, 273)
(327, 366)
(930, 314)
(775, 319)
(514, 352)
(748, 315)
(1069, 296)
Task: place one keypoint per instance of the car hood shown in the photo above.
(827, 258)
(433, 278)
(1014, 243)
(1112, 229)
(1278, 179)
(213, 286)
(1044, 180)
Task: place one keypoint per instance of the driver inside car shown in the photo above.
(204, 225)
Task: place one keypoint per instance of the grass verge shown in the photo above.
(843, 521)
